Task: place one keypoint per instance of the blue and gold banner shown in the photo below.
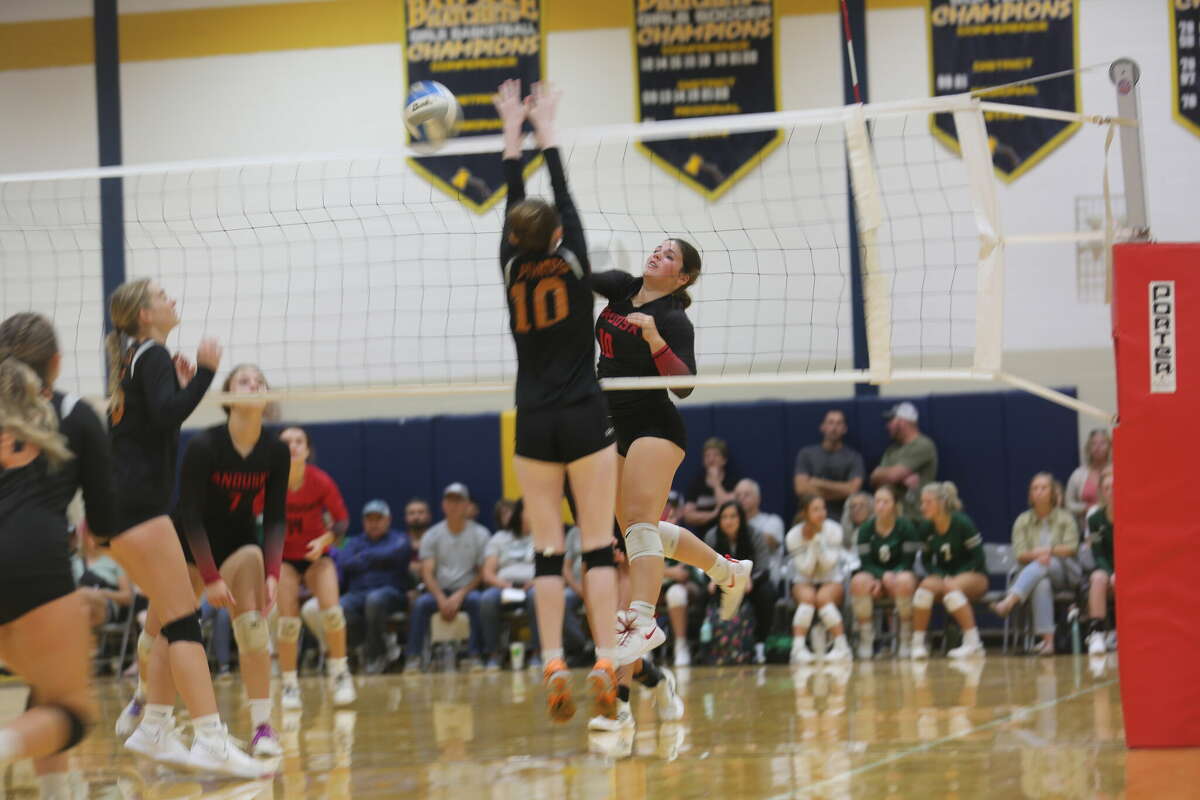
(704, 58)
(985, 43)
(471, 46)
(1185, 52)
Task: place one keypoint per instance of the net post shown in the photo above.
(1125, 74)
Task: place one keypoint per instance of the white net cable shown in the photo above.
(351, 275)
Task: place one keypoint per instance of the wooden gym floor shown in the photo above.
(1004, 727)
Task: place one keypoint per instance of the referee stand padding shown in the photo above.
(1156, 299)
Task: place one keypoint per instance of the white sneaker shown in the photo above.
(683, 656)
(905, 649)
(131, 717)
(624, 719)
(289, 698)
(343, 689)
(265, 743)
(637, 636)
(919, 652)
(801, 653)
(162, 744)
(733, 592)
(218, 754)
(967, 650)
(866, 650)
(666, 698)
(841, 651)
(1096, 645)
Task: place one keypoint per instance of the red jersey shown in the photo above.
(306, 509)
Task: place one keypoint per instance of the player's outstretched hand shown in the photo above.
(184, 369)
(507, 101)
(208, 354)
(542, 110)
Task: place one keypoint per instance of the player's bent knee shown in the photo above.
(954, 600)
(600, 557)
(804, 616)
(923, 599)
(677, 596)
(77, 724)
(643, 539)
(548, 565)
(184, 629)
(669, 533)
(250, 632)
(333, 618)
(289, 629)
(831, 616)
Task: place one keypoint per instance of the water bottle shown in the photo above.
(1076, 640)
(706, 631)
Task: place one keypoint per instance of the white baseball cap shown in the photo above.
(905, 410)
(457, 488)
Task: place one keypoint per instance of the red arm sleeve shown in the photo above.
(668, 363)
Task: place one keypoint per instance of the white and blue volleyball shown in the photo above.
(431, 113)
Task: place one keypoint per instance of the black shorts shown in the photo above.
(562, 435)
(660, 420)
(301, 565)
(35, 567)
(222, 548)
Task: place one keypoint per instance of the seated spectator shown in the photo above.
(222, 636)
(502, 515)
(452, 555)
(507, 568)
(105, 590)
(858, 510)
(1083, 487)
(374, 569)
(953, 557)
(732, 536)
(1045, 539)
(417, 519)
(910, 461)
(710, 488)
(682, 591)
(1103, 578)
(887, 547)
(830, 470)
(749, 497)
(814, 547)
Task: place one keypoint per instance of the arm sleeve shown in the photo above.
(803, 467)
(275, 509)
(387, 554)
(573, 236)
(516, 193)
(916, 457)
(193, 480)
(676, 330)
(167, 405)
(612, 284)
(95, 471)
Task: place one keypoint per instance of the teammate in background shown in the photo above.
(225, 468)
(43, 623)
(151, 395)
(306, 556)
(957, 570)
(645, 331)
(887, 546)
(562, 419)
(1104, 577)
(814, 545)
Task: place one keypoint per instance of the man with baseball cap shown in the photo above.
(910, 461)
(375, 580)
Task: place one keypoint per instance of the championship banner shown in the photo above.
(471, 47)
(1185, 97)
(704, 58)
(985, 43)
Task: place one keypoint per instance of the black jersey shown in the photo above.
(623, 351)
(550, 303)
(217, 490)
(144, 430)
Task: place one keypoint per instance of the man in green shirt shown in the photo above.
(910, 461)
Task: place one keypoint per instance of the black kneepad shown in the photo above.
(184, 629)
(547, 566)
(79, 727)
(602, 557)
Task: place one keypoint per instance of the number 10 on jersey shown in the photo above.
(549, 303)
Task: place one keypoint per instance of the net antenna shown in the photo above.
(348, 276)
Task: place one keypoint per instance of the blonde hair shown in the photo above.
(29, 337)
(26, 413)
(533, 222)
(946, 494)
(1056, 489)
(124, 307)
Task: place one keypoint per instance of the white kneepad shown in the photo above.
(333, 618)
(804, 616)
(954, 600)
(677, 596)
(643, 539)
(922, 599)
(289, 629)
(669, 532)
(250, 632)
(830, 616)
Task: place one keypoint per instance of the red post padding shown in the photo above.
(1156, 327)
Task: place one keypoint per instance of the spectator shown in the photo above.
(417, 519)
(106, 591)
(452, 555)
(374, 569)
(507, 571)
(910, 461)
(502, 514)
(1083, 487)
(710, 488)
(887, 546)
(681, 590)
(1045, 539)
(814, 545)
(574, 639)
(953, 557)
(222, 635)
(1104, 577)
(858, 510)
(830, 470)
(749, 497)
(733, 536)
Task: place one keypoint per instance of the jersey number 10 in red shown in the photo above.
(606, 343)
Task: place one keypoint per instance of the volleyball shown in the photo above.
(431, 113)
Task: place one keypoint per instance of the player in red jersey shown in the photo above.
(313, 502)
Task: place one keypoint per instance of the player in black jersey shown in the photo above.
(225, 468)
(44, 634)
(562, 419)
(151, 394)
(645, 331)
